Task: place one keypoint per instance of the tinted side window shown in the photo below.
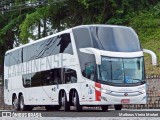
(90, 70)
(25, 54)
(27, 80)
(36, 80)
(83, 40)
(6, 84)
(65, 44)
(70, 76)
(15, 57)
(50, 77)
(82, 37)
(7, 59)
(115, 39)
(51, 46)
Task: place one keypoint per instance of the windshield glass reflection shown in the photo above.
(121, 70)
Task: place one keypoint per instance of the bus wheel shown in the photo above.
(118, 107)
(104, 108)
(64, 102)
(57, 107)
(76, 102)
(52, 107)
(29, 108)
(49, 108)
(15, 103)
(23, 107)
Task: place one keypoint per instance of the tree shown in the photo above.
(22, 20)
(10, 17)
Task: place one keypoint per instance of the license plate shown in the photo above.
(125, 101)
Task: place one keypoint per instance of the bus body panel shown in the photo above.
(18, 77)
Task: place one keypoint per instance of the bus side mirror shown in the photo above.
(153, 55)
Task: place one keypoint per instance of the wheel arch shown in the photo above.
(13, 95)
(61, 91)
(20, 93)
(71, 92)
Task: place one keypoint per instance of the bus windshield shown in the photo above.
(121, 70)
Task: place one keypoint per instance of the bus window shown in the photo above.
(36, 80)
(7, 59)
(27, 80)
(6, 84)
(90, 71)
(47, 78)
(70, 76)
(65, 44)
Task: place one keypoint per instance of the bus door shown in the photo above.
(90, 81)
(50, 81)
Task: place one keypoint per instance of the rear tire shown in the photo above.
(57, 107)
(118, 107)
(64, 103)
(76, 102)
(15, 103)
(104, 108)
(49, 108)
(52, 107)
(29, 108)
(23, 107)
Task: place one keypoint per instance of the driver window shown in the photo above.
(90, 71)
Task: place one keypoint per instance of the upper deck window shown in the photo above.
(117, 39)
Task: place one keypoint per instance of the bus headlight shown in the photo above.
(142, 91)
(105, 91)
(144, 98)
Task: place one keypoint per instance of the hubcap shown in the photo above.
(21, 104)
(15, 102)
(63, 101)
(74, 101)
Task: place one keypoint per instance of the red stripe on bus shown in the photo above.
(98, 85)
(98, 93)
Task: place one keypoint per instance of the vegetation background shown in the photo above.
(22, 21)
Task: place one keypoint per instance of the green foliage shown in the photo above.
(19, 22)
(147, 25)
(32, 20)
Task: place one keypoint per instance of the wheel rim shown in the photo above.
(63, 100)
(77, 105)
(118, 107)
(21, 104)
(15, 103)
(74, 100)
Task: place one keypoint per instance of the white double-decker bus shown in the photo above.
(88, 65)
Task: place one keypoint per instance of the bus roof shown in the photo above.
(66, 31)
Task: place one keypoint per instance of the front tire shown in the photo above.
(104, 108)
(118, 107)
(49, 108)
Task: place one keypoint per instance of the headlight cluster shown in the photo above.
(105, 91)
